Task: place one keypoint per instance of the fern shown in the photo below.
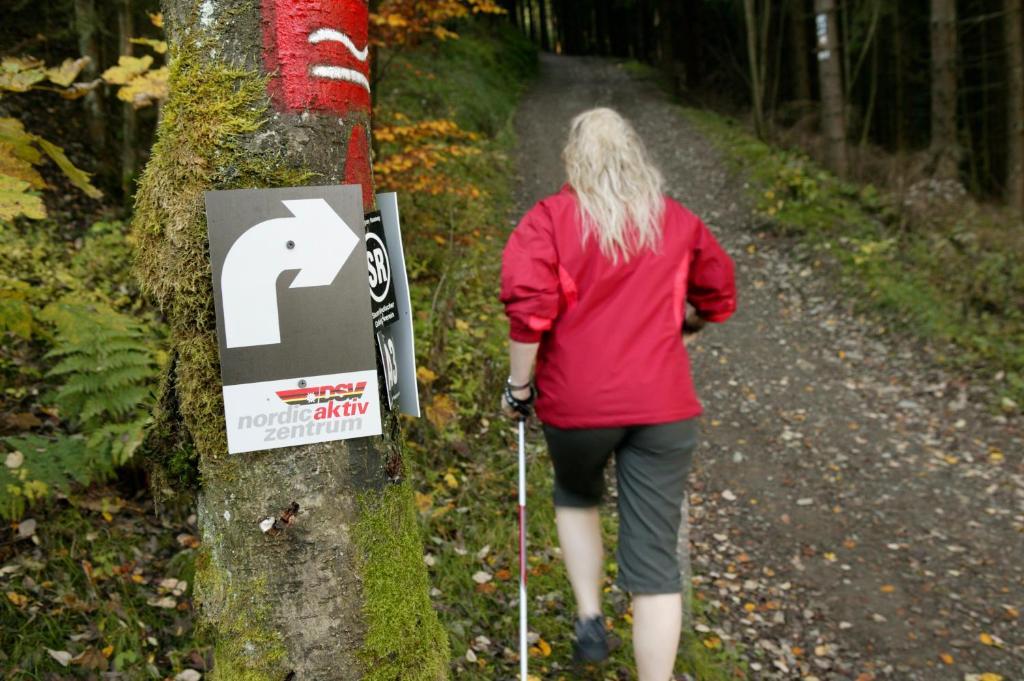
(108, 369)
(105, 361)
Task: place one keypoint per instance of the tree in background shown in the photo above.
(1014, 104)
(340, 590)
(945, 147)
(833, 105)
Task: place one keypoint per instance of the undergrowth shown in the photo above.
(951, 273)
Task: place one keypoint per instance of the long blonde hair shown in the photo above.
(618, 188)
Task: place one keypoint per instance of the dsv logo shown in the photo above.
(378, 267)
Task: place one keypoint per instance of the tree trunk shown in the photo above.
(87, 25)
(945, 148)
(342, 593)
(829, 73)
(129, 118)
(755, 65)
(1015, 105)
(545, 32)
(801, 66)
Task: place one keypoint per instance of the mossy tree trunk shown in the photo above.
(341, 593)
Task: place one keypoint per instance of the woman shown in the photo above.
(595, 281)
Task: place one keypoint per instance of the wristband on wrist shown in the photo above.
(512, 386)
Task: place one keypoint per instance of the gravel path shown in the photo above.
(857, 513)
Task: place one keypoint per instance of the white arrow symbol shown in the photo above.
(317, 242)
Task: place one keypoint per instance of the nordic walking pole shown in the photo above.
(523, 652)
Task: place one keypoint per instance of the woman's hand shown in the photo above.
(507, 409)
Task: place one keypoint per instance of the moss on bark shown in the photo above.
(404, 639)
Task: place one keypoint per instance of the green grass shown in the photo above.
(953, 277)
(87, 585)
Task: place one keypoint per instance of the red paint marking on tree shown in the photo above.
(357, 163)
(317, 54)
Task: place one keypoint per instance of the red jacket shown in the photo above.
(611, 350)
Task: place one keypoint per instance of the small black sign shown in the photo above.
(389, 361)
(378, 265)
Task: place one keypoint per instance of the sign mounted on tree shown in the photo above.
(378, 269)
(296, 350)
(397, 343)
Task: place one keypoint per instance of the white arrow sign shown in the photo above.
(317, 242)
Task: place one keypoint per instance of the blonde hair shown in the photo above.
(618, 188)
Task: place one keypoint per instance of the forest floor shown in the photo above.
(855, 507)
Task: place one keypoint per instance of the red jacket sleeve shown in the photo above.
(711, 287)
(529, 277)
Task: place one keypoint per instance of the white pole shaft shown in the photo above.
(523, 649)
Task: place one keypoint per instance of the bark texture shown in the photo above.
(831, 77)
(945, 146)
(341, 594)
(1015, 105)
(797, 13)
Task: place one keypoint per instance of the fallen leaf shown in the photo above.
(14, 459)
(90, 658)
(503, 575)
(946, 658)
(482, 577)
(426, 375)
(18, 599)
(888, 588)
(451, 480)
(26, 528)
(188, 675)
(108, 651)
(62, 656)
(986, 639)
(423, 502)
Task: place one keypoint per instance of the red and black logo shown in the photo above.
(306, 396)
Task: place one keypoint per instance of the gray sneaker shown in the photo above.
(591, 644)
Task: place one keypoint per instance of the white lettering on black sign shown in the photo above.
(378, 270)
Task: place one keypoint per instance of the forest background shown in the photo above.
(920, 208)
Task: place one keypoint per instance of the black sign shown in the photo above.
(389, 361)
(378, 267)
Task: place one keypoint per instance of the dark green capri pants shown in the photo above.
(651, 465)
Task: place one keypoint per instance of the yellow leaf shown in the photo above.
(18, 599)
(461, 325)
(424, 502)
(441, 411)
(146, 89)
(830, 556)
(16, 200)
(76, 175)
(986, 639)
(451, 481)
(157, 19)
(946, 658)
(888, 588)
(107, 516)
(749, 607)
(713, 643)
(127, 68)
(65, 74)
(18, 168)
(158, 46)
(426, 375)
(108, 651)
(995, 456)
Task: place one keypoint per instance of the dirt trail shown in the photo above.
(857, 513)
